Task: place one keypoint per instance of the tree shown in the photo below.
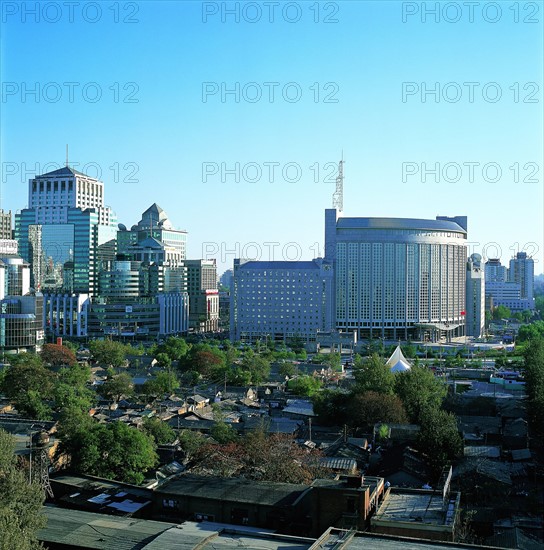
(163, 360)
(116, 387)
(160, 431)
(369, 408)
(260, 457)
(71, 390)
(191, 442)
(257, 367)
(58, 356)
(304, 385)
(164, 382)
(221, 431)
(176, 348)
(534, 376)
(409, 350)
(208, 364)
(539, 305)
(334, 361)
(529, 332)
(21, 502)
(419, 389)
(108, 352)
(373, 374)
(29, 385)
(439, 438)
(114, 451)
(501, 312)
(286, 368)
(331, 407)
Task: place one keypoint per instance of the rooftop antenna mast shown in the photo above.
(338, 195)
(66, 154)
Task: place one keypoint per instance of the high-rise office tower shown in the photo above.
(522, 271)
(398, 278)
(203, 295)
(475, 299)
(156, 225)
(21, 309)
(5, 225)
(66, 232)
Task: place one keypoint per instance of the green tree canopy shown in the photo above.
(501, 312)
(304, 385)
(163, 360)
(529, 332)
(164, 382)
(419, 389)
(21, 502)
(439, 438)
(29, 385)
(114, 451)
(116, 387)
(369, 408)
(108, 352)
(175, 347)
(331, 407)
(257, 367)
(160, 431)
(372, 374)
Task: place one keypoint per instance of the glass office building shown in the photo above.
(66, 233)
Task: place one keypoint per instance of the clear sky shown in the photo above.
(140, 91)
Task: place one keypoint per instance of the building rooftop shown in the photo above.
(398, 223)
(413, 505)
(347, 540)
(77, 529)
(253, 264)
(65, 171)
(234, 490)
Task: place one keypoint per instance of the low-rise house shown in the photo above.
(484, 430)
(403, 466)
(417, 513)
(305, 510)
(343, 449)
(198, 401)
(93, 494)
(515, 434)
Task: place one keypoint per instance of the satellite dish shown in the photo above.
(122, 227)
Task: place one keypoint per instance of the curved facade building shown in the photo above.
(398, 278)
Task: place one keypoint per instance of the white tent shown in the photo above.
(397, 362)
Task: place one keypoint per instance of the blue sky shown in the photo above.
(151, 135)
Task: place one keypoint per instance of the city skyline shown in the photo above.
(364, 71)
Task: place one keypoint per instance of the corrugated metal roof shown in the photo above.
(90, 530)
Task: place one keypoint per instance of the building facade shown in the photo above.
(156, 225)
(203, 295)
(475, 299)
(66, 232)
(512, 288)
(5, 225)
(280, 300)
(522, 271)
(398, 278)
(21, 309)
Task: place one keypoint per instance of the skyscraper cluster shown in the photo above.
(93, 277)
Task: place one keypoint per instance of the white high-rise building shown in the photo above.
(512, 288)
(398, 278)
(475, 299)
